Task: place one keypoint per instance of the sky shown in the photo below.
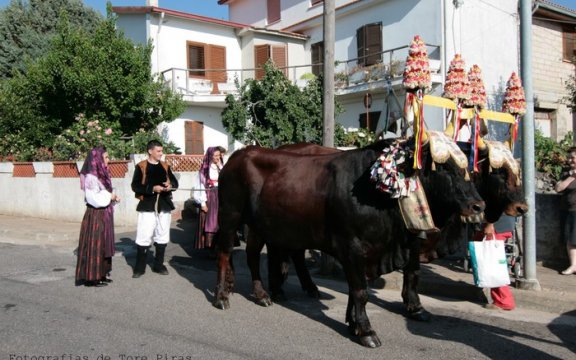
(205, 7)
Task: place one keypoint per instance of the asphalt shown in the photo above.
(443, 278)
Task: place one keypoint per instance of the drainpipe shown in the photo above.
(528, 173)
(158, 43)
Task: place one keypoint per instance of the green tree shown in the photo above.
(99, 75)
(273, 111)
(571, 87)
(26, 28)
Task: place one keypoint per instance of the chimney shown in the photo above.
(152, 3)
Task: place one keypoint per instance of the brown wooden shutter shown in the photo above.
(273, 11)
(196, 58)
(280, 57)
(194, 138)
(262, 54)
(317, 58)
(216, 60)
(369, 43)
(569, 44)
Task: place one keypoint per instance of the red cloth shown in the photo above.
(503, 298)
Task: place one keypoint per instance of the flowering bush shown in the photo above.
(354, 137)
(84, 134)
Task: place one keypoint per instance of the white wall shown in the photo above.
(62, 199)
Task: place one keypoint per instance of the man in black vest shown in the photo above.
(153, 183)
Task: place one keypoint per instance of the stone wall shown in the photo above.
(550, 248)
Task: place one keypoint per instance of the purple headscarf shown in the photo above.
(94, 164)
(205, 168)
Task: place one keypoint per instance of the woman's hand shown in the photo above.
(204, 208)
(158, 188)
(115, 198)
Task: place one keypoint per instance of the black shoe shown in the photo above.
(140, 267)
(137, 274)
(106, 280)
(95, 284)
(160, 269)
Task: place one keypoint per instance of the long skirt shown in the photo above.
(207, 222)
(569, 227)
(96, 245)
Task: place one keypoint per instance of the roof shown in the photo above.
(180, 14)
(559, 10)
(206, 19)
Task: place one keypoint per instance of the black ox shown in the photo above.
(328, 202)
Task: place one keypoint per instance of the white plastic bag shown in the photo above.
(488, 258)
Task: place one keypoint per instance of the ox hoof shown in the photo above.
(313, 293)
(370, 341)
(420, 315)
(221, 304)
(279, 297)
(265, 302)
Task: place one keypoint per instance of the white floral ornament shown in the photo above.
(386, 175)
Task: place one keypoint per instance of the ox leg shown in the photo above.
(356, 317)
(410, 282)
(225, 274)
(277, 272)
(254, 246)
(298, 257)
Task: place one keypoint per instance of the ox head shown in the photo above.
(448, 187)
(499, 184)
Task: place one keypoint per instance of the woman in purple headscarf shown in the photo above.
(96, 244)
(207, 197)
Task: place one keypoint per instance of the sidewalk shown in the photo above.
(443, 278)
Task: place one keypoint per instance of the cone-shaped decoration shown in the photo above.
(477, 89)
(514, 100)
(417, 70)
(457, 86)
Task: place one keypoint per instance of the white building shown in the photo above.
(372, 37)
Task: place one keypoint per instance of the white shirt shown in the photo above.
(95, 193)
(199, 194)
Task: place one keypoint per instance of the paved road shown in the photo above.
(43, 316)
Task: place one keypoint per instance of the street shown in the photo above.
(43, 316)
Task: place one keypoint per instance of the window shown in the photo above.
(278, 54)
(317, 57)
(569, 44)
(369, 43)
(273, 11)
(543, 119)
(203, 57)
(369, 120)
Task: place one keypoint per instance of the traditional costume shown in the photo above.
(96, 243)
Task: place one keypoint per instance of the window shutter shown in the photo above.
(262, 54)
(317, 57)
(196, 59)
(194, 138)
(273, 11)
(280, 58)
(569, 44)
(216, 60)
(369, 43)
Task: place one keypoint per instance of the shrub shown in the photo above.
(550, 155)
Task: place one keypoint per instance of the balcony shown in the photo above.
(350, 78)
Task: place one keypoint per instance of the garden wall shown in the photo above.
(51, 190)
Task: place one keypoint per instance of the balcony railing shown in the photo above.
(347, 73)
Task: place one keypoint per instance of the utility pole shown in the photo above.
(327, 262)
(528, 174)
(328, 98)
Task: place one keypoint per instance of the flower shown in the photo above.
(108, 131)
